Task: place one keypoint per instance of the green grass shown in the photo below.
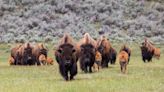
(141, 77)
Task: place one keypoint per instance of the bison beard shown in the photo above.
(87, 57)
(66, 59)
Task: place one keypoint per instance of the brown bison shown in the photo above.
(37, 51)
(45, 61)
(123, 60)
(97, 63)
(24, 55)
(66, 57)
(157, 53)
(50, 61)
(104, 46)
(87, 53)
(148, 51)
(126, 49)
(14, 53)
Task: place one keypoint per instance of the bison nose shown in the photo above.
(68, 61)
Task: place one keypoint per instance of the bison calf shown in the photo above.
(123, 60)
(97, 63)
(50, 61)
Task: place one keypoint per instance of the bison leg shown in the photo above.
(63, 72)
(90, 69)
(104, 65)
(144, 60)
(128, 59)
(121, 67)
(85, 68)
(73, 71)
(122, 64)
(38, 62)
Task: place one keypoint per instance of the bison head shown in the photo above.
(87, 52)
(27, 55)
(67, 54)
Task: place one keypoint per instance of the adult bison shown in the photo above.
(87, 53)
(146, 54)
(148, 51)
(39, 49)
(66, 56)
(14, 54)
(104, 46)
(126, 49)
(24, 55)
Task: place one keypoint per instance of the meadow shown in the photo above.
(141, 77)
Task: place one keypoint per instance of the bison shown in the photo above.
(146, 54)
(24, 55)
(14, 53)
(50, 61)
(157, 53)
(148, 51)
(123, 60)
(45, 61)
(126, 49)
(86, 49)
(104, 46)
(37, 51)
(66, 57)
(97, 63)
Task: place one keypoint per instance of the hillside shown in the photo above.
(47, 20)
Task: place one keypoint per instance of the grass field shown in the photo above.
(141, 77)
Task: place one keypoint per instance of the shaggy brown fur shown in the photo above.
(11, 60)
(104, 46)
(148, 50)
(38, 50)
(42, 59)
(87, 39)
(14, 52)
(66, 56)
(126, 49)
(105, 42)
(24, 55)
(123, 60)
(97, 63)
(157, 53)
(86, 51)
(50, 61)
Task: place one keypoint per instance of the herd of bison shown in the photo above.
(92, 55)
